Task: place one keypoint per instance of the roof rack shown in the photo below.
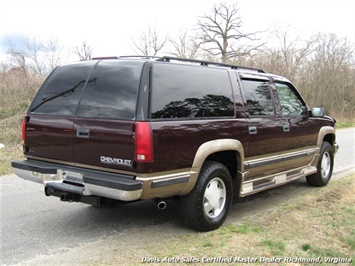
(207, 63)
(104, 57)
(126, 56)
(139, 56)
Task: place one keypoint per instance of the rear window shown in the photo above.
(61, 91)
(112, 90)
(181, 91)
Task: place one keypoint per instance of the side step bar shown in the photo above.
(256, 185)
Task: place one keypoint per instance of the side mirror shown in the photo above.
(317, 111)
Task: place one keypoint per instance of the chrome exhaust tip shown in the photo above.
(161, 205)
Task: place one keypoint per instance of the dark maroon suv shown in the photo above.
(131, 129)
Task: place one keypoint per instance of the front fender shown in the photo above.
(327, 130)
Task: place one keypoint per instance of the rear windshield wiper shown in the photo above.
(72, 89)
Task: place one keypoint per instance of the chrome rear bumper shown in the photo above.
(79, 181)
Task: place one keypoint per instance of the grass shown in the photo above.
(318, 225)
(277, 248)
(7, 154)
(240, 229)
(345, 124)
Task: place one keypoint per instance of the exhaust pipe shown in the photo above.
(161, 205)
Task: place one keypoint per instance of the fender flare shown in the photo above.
(326, 130)
(211, 147)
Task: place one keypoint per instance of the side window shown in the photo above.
(181, 91)
(258, 97)
(112, 91)
(290, 103)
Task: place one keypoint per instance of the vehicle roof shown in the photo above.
(247, 72)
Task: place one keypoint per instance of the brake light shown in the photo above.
(143, 142)
(24, 124)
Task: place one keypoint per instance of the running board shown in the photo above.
(256, 185)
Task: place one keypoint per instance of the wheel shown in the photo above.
(324, 167)
(206, 207)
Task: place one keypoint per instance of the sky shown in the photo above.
(109, 26)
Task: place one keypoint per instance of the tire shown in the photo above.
(324, 167)
(206, 207)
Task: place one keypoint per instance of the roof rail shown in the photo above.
(126, 56)
(104, 57)
(207, 63)
(139, 56)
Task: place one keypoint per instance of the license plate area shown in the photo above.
(73, 177)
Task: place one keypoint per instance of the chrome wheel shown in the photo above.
(214, 198)
(325, 165)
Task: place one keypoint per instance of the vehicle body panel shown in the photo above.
(108, 143)
(50, 137)
(176, 142)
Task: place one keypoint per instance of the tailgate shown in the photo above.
(104, 143)
(48, 131)
(103, 128)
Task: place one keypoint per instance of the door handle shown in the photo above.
(83, 133)
(253, 130)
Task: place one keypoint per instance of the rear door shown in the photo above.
(103, 128)
(49, 130)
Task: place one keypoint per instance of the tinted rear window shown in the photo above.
(112, 90)
(181, 91)
(61, 91)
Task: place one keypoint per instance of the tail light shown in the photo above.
(24, 124)
(143, 142)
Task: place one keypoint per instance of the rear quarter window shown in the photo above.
(181, 91)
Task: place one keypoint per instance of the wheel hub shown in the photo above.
(214, 197)
(325, 165)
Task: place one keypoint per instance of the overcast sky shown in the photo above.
(109, 25)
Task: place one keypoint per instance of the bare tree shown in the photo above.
(17, 60)
(150, 42)
(36, 56)
(185, 46)
(287, 58)
(54, 50)
(332, 74)
(221, 34)
(84, 52)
